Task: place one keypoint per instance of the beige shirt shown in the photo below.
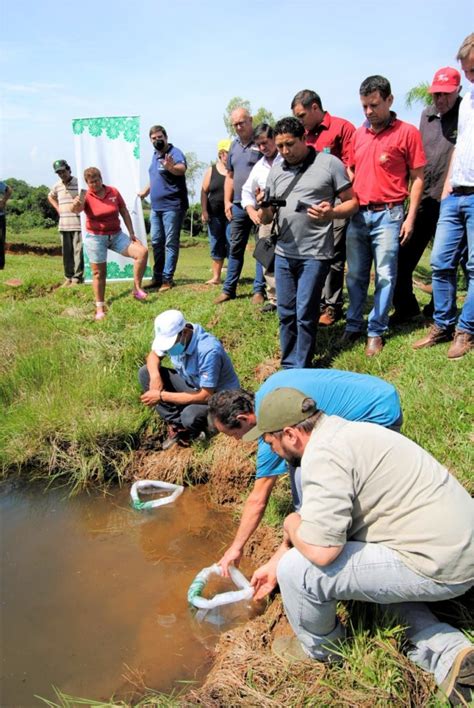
(64, 195)
(362, 482)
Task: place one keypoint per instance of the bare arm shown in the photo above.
(319, 555)
(251, 516)
(176, 168)
(145, 192)
(184, 399)
(124, 213)
(204, 199)
(228, 194)
(54, 203)
(153, 395)
(417, 177)
(264, 580)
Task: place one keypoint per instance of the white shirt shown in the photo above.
(463, 161)
(257, 178)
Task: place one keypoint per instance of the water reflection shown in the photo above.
(93, 590)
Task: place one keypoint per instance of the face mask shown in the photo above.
(158, 144)
(176, 349)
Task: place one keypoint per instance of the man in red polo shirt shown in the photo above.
(387, 161)
(327, 133)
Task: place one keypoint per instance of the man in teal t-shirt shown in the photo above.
(357, 397)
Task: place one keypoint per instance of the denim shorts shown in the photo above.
(97, 246)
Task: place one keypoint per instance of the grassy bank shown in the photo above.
(68, 388)
(71, 410)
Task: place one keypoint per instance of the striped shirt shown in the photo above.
(463, 165)
(64, 195)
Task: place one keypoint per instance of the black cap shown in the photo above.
(60, 165)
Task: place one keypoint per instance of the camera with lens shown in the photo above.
(271, 201)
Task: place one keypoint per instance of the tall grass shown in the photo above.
(68, 386)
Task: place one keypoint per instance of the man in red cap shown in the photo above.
(455, 228)
(438, 128)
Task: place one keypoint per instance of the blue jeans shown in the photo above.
(218, 230)
(372, 235)
(241, 226)
(369, 572)
(456, 221)
(165, 232)
(299, 282)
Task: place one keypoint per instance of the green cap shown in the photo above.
(60, 165)
(280, 409)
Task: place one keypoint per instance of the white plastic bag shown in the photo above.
(223, 598)
(151, 486)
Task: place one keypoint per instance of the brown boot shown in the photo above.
(374, 346)
(258, 299)
(223, 297)
(436, 335)
(462, 344)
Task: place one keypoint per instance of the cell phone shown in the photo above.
(303, 206)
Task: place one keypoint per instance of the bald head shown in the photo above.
(242, 123)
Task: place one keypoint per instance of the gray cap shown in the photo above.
(280, 409)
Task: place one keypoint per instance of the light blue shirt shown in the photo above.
(344, 393)
(205, 363)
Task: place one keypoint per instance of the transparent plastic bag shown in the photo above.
(195, 598)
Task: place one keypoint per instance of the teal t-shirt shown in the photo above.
(358, 397)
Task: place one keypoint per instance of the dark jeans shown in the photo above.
(299, 283)
(241, 226)
(404, 300)
(332, 292)
(3, 231)
(192, 417)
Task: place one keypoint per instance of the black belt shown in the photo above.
(463, 190)
(379, 206)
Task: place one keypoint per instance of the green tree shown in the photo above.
(419, 94)
(193, 181)
(262, 115)
(236, 102)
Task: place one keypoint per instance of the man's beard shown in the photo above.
(290, 457)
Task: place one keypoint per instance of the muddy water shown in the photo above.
(93, 593)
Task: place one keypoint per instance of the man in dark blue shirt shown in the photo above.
(169, 201)
(242, 157)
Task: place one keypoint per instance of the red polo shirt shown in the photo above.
(103, 212)
(381, 161)
(332, 135)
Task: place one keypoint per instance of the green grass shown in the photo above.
(70, 408)
(68, 388)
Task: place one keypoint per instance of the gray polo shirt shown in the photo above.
(362, 482)
(300, 236)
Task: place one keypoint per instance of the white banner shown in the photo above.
(113, 145)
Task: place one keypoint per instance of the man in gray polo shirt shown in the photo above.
(305, 244)
(381, 521)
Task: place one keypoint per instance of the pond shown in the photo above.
(93, 593)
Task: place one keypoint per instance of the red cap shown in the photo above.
(445, 80)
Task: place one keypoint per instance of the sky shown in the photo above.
(179, 62)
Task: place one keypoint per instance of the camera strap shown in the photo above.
(309, 159)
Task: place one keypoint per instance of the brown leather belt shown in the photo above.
(379, 206)
(463, 190)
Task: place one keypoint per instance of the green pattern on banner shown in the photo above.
(116, 127)
(114, 272)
